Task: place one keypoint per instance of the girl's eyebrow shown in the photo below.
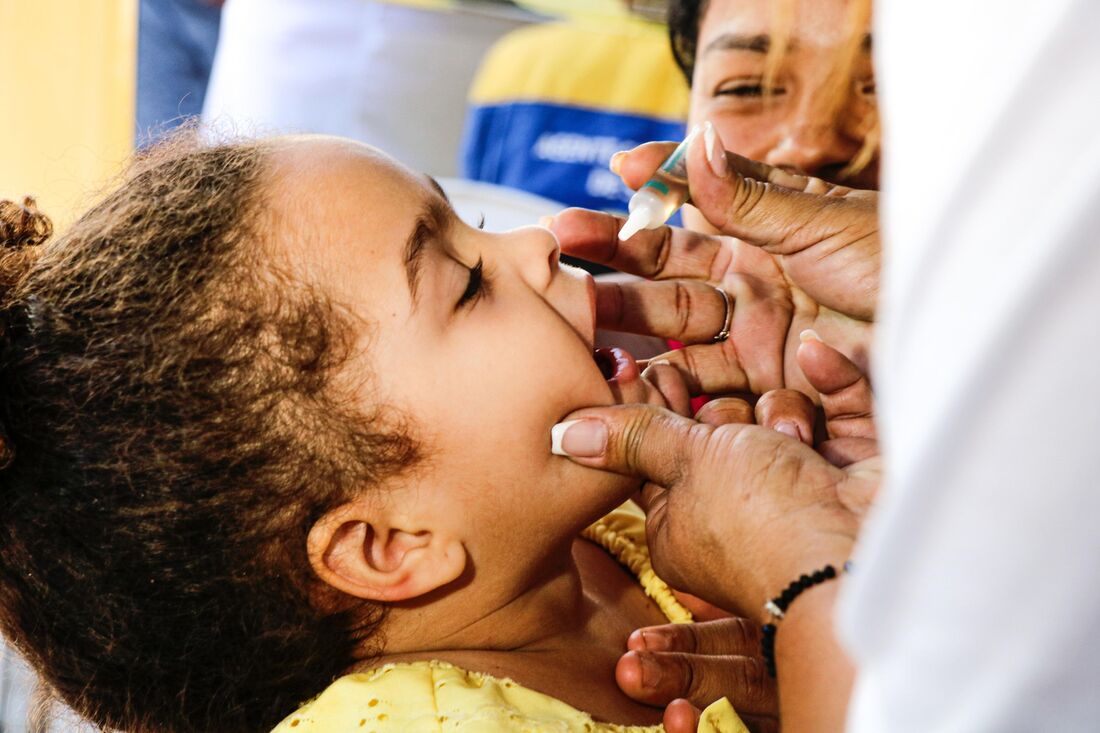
(430, 222)
(438, 188)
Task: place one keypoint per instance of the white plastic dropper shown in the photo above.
(660, 196)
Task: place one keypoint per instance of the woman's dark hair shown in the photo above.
(170, 430)
(684, 17)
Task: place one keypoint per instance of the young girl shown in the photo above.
(272, 415)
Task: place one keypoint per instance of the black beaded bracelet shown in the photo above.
(779, 605)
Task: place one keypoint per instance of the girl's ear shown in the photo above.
(358, 550)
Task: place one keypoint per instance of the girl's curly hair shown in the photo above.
(170, 431)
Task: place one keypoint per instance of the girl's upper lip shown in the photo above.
(582, 320)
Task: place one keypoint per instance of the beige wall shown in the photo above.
(67, 82)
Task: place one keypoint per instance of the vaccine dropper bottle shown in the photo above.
(660, 196)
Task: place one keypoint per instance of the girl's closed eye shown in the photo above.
(476, 286)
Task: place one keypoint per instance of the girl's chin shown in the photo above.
(608, 491)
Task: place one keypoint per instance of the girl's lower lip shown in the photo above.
(615, 363)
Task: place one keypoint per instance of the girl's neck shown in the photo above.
(561, 635)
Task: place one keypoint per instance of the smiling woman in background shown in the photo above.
(791, 84)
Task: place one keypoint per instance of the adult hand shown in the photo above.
(733, 511)
(825, 236)
(769, 311)
(698, 664)
(775, 297)
(686, 667)
(704, 661)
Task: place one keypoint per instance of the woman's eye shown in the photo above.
(475, 286)
(747, 90)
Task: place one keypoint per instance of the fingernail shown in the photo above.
(578, 438)
(809, 335)
(655, 641)
(546, 221)
(651, 672)
(693, 133)
(788, 428)
(616, 162)
(652, 363)
(716, 151)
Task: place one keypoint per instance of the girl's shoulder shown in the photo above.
(434, 696)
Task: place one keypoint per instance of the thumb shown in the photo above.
(782, 212)
(635, 440)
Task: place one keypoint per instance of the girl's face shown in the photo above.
(483, 340)
(798, 127)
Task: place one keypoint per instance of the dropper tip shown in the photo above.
(632, 226)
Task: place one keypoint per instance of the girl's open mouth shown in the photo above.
(614, 362)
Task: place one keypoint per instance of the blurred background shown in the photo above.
(467, 90)
(516, 107)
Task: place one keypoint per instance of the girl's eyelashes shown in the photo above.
(476, 286)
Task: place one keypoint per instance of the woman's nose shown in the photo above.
(535, 252)
(815, 145)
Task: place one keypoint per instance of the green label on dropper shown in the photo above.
(654, 183)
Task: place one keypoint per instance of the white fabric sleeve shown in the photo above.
(975, 605)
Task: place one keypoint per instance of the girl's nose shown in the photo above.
(535, 252)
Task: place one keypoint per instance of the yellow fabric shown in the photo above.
(532, 65)
(433, 696)
(591, 9)
(66, 98)
(622, 533)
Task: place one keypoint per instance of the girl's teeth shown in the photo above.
(606, 362)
